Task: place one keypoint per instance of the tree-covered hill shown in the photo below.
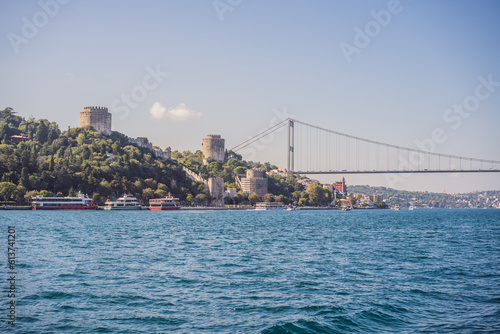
(406, 198)
(81, 159)
(45, 160)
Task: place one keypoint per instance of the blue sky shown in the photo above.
(232, 67)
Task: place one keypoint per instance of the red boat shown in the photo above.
(166, 203)
(62, 203)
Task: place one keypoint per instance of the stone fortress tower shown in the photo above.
(97, 117)
(213, 148)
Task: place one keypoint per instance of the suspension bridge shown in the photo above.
(311, 149)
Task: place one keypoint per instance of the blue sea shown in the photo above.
(363, 271)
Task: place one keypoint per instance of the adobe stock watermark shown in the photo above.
(453, 118)
(31, 26)
(279, 116)
(224, 6)
(139, 93)
(373, 28)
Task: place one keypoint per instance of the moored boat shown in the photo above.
(166, 203)
(62, 203)
(126, 202)
(266, 206)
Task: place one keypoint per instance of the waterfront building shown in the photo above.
(376, 198)
(340, 186)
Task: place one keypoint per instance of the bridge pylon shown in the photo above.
(290, 146)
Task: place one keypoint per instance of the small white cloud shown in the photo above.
(158, 111)
(179, 113)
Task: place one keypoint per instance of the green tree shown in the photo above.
(316, 194)
(98, 199)
(202, 199)
(147, 194)
(28, 195)
(237, 199)
(159, 193)
(162, 186)
(240, 170)
(190, 199)
(25, 179)
(42, 133)
(254, 198)
(46, 193)
(105, 188)
(282, 199)
(71, 192)
(8, 191)
(215, 169)
(268, 197)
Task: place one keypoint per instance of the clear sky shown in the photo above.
(175, 71)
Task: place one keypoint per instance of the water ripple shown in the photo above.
(376, 271)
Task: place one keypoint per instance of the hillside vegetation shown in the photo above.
(59, 163)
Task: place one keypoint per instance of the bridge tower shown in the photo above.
(290, 146)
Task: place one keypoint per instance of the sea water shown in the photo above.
(363, 271)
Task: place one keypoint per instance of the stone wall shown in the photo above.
(193, 176)
(141, 142)
(215, 186)
(167, 154)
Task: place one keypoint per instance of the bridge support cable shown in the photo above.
(393, 146)
(323, 151)
(346, 152)
(261, 135)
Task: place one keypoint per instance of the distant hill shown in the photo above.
(429, 199)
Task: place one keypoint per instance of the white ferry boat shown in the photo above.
(62, 203)
(126, 202)
(261, 206)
